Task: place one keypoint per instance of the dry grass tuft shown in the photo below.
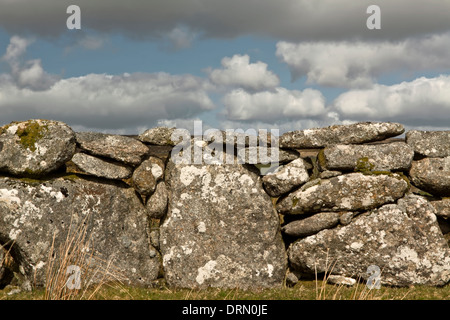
(74, 271)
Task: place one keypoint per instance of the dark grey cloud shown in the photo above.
(358, 64)
(290, 20)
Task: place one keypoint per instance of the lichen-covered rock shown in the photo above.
(161, 136)
(434, 144)
(265, 155)
(220, 229)
(432, 175)
(340, 134)
(157, 203)
(442, 207)
(311, 225)
(35, 147)
(403, 240)
(147, 175)
(349, 192)
(33, 212)
(124, 149)
(286, 178)
(236, 138)
(378, 157)
(90, 165)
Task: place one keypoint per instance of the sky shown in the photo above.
(247, 64)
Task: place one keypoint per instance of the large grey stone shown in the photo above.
(161, 136)
(349, 192)
(266, 155)
(239, 138)
(220, 229)
(340, 134)
(432, 175)
(87, 164)
(120, 148)
(35, 147)
(33, 212)
(429, 143)
(377, 157)
(286, 178)
(261, 138)
(403, 240)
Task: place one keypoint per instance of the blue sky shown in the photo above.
(289, 65)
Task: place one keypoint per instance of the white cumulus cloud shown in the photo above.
(237, 71)
(28, 74)
(102, 101)
(274, 105)
(424, 101)
(106, 101)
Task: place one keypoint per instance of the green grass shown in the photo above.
(304, 290)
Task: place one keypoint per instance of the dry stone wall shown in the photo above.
(346, 197)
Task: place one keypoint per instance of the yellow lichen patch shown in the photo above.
(30, 133)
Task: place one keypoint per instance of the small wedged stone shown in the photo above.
(340, 280)
(35, 147)
(157, 203)
(403, 240)
(286, 178)
(432, 175)
(147, 175)
(120, 148)
(435, 144)
(442, 207)
(349, 192)
(346, 217)
(356, 133)
(291, 279)
(311, 225)
(87, 164)
(329, 174)
(379, 157)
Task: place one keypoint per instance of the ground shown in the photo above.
(304, 290)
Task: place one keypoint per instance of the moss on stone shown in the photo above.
(363, 165)
(71, 177)
(321, 158)
(31, 133)
(294, 201)
(31, 181)
(405, 177)
(30, 173)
